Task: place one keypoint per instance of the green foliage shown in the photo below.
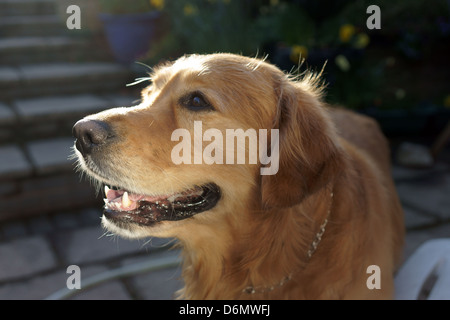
(360, 63)
(206, 26)
(292, 24)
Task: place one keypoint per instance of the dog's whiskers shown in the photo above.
(139, 80)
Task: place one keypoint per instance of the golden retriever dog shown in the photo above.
(325, 223)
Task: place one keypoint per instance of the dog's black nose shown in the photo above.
(90, 134)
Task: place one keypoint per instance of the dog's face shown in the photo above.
(166, 163)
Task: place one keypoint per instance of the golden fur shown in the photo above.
(263, 226)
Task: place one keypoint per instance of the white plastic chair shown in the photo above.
(426, 273)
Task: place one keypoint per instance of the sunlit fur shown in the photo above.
(263, 226)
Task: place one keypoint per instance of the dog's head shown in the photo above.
(192, 152)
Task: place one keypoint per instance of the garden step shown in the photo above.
(51, 155)
(16, 50)
(26, 7)
(57, 107)
(35, 158)
(9, 81)
(14, 163)
(22, 120)
(6, 115)
(8, 123)
(55, 115)
(39, 178)
(62, 78)
(48, 80)
(33, 25)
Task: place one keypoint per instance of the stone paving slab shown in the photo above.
(415, 238)
(60, 78)
(25, 257)
(30, 20)
(50, 193)
(8, 75)
(57, 106)
(16, 50)
(63, 71)
(113, 290)
(26, 7)
(7, 117)
(402, 174)
(58, 49)
(25, 43)
(12, 230)
(43, 286)
(416, 219)
(13, 162)
(9, 81)
(422, 195)
(148, 285)
(50, 155)
(38, 287)
(159, 285)
(156, 285)
(91, 244)
(27, 25)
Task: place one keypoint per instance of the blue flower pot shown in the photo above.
(130, 35)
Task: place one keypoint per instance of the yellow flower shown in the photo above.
(297, 53)
(346, 32)
(189, 10)
(447, 101)
(342, 62)
(157, 4)
(400, 94)
(362, 41)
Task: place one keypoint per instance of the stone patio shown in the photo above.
(40, 249)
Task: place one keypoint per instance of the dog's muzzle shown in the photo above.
(122, 206)
(91, 135)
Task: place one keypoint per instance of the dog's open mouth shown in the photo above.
(123, 206)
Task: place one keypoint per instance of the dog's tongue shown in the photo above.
(121, 200)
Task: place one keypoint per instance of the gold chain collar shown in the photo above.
(311, 250)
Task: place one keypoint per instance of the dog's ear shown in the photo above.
(309, 156)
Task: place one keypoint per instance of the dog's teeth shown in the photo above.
(126, 202)
(106, 189)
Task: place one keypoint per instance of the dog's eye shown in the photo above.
(195, 101)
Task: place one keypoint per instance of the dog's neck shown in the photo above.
(260, 255)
